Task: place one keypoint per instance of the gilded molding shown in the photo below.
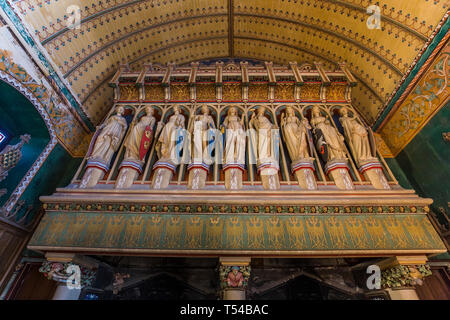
(427, 97)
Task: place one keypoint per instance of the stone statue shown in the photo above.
(111, 134)
(295, 134)
(363, 150)
(134, 139)
(330, 144)
(137, 145)
(235, 278)
(234, 156)
(235, 137)
(334, 140)
(106, 141)
(357, 136)
(170, 137)
(264, 147)
(169, 146)
(203, 143)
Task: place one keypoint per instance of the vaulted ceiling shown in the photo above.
(180, 31)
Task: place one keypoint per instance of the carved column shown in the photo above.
(234, 275)
(72, 273)
(400, 276)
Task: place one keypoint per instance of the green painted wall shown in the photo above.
(399, 173)
(424, 164)
(19, 116)
(56, 172)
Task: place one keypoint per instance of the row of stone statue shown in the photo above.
(202, 143)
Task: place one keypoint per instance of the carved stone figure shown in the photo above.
(169, 146)
(265, 148)
(235, 278)
(106, 141)
(357, 136)
(136, 145)
(235, 137)
(330, 144)
(264, 144)
(133, 141)
(203, 144)
(233, 281)
(363, 147)
(234, 155)
(170, 137)
(295, 133)
(334, 140)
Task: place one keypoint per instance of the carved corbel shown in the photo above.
(234, 276)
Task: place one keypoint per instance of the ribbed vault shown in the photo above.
(180, 31)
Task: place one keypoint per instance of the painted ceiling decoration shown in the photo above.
(182, 31)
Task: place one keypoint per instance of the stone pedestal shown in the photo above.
(198, 173)
(403, 294)
(95, 171)
(304, 171)
(373, 171)
(233, 175)
(338, 171)
(128, 173)
(63, 292)
(164, 172)
(234, 294)
(269, 176)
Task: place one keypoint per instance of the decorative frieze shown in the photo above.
(236, 234)
(232, 208)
